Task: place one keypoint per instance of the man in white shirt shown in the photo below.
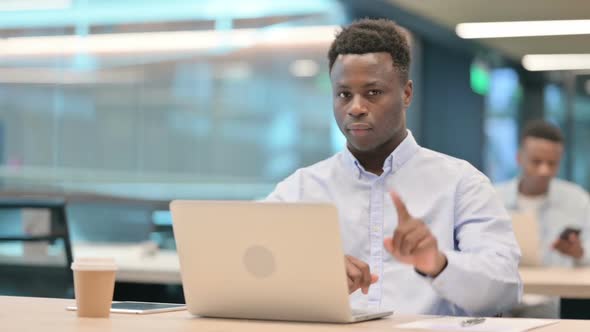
(422, 232)
(557, 205)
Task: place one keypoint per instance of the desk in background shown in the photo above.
(572, 285)
(563, 282)
(137, 263)
(141, 264)
(144, 272)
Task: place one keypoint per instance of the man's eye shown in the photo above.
(343, 94)
(375, 92)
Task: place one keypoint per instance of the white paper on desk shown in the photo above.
(489, 325)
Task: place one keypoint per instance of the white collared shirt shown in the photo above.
(456, 201)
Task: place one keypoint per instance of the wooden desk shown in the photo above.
(561, 282)
(49, 315)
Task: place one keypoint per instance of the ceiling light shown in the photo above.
(52, 76)
(522, 29)
(544, 62)
(154, 42)
(15, 5)
(235, 71)
(304, 68)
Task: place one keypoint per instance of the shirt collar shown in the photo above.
(404, 151)
(512, 195)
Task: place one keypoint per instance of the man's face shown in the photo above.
(370, 101)
(539, 159)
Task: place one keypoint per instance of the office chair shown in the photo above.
(21, 278)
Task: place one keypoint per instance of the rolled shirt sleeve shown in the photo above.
(482, 273)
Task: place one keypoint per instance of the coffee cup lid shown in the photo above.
(94, 264)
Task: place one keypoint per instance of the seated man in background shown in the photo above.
(422, 232)
(556, 205)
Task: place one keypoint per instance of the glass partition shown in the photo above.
(165, 99)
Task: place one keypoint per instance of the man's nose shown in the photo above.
(358, 107)
(545, 170)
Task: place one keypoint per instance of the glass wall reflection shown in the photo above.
(165, 99)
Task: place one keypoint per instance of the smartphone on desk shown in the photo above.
(565, 234)
(141, 308)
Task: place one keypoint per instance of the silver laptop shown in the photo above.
(526, 231)
(252, 260)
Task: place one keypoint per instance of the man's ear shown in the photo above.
(408, 93)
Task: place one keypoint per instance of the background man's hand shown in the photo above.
(359, 275)
(571, 247)
(413, 243)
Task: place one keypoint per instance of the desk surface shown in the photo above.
(48, 315)
(562, 282)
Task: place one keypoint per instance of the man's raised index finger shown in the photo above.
(402, 211)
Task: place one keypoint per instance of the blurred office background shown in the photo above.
(209, 99)
(121, 106)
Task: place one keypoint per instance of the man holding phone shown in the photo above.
(561, 208)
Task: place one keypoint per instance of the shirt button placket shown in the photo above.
(376, 241)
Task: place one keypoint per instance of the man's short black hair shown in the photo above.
(373, 36)
(542, 129)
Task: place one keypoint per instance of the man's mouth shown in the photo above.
(358, 126)
(358, 129)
